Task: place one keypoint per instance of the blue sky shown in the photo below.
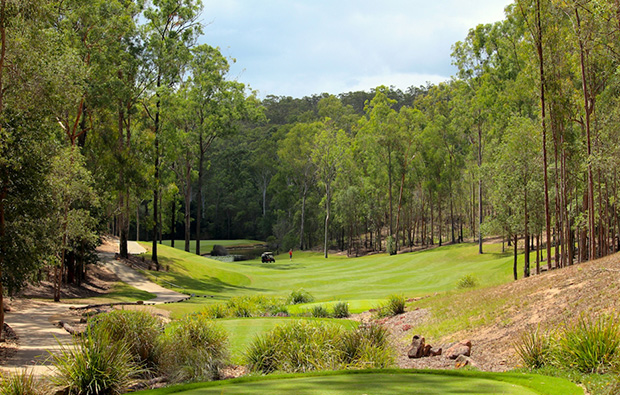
(304, 47)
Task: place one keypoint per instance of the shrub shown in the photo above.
(20, 383)
(300, 296)
(309, 345)
(534, 349)
(366, 347)
(193, 348)
(92, 366)
(394, 306)
(297, 347)
(590, 345)
(467, 281)
(216, 310)
(391, 245)
(319, 311)
(341, 310)
(137, 329)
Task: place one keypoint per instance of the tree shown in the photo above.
(328, 154)
(171, 29)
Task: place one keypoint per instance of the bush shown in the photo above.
(20, 383)
(319, 311)
(391, 245)
(92, 366)
(366, 347)
(591, 345)
(341, 310)
(394, 306)
(309, 345)
(246, 306)
(300, 296)
(534, 349)
(193, 348)
(214, 311)
(467, 281)
(301, 346)
(137, 329)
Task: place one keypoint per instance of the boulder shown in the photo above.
(219, 250)
(460, 348)
(462, 361)
(417, 347)
(435, 352)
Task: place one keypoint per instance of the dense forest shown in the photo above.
(114, 119)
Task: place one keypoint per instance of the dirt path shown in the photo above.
(34, 320)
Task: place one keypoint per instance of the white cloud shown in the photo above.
(302, 47)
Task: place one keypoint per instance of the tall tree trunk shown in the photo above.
(479, 189)
(514, 263)
(173, 222)
(303, 216)
(201, 159)
(327, 214)
(526, 265)
(187, 195)
(154, 257)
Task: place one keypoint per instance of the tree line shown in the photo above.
(115, 118)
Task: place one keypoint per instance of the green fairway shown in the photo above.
(384, 383)
(370, 278)
(241, 331)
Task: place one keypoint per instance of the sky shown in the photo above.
(303, 47)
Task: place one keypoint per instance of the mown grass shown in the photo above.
(380, 382)
(370, 278)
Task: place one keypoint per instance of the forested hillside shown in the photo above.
(114, 119)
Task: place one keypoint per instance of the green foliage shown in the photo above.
(193, 348)
(534, 348)
(300, 296)
(590, 345)
(319, 311)
(467, 281)
(311, 345)
(394, 306)
(246, 306)
(341, 310)
(94, 366)
(21, 383)
(391, 245)
(138, 330)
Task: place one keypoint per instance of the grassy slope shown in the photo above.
(370, 279)
(383, 382)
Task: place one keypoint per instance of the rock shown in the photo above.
(462, 361)
(461, 348)
(219, 250)
(435, 352)
(417, 347)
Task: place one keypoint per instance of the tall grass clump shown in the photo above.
(467, 281)
(591, 345)
(366, 347)
(301, 346)
(310, 345)
(534, 348)
(341, 310)
(90, 366)
(300, 296)
(20, 383)
(319, 311)
(193, 348)
(246, 306)
(136, 329)
(394, 306)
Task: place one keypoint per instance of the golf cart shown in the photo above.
(267, 257)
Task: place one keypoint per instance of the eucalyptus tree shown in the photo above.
(170, 31)
(218, 105)
(328, 155)
(296, 162)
